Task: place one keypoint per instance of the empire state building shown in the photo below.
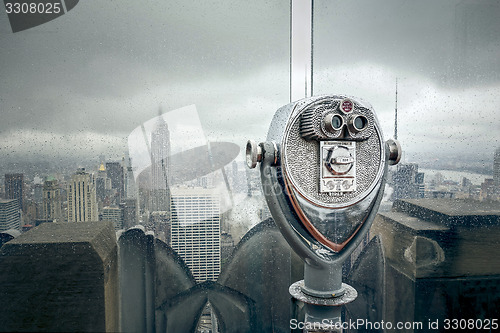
(160, 167)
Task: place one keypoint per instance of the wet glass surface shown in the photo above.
(137, 113)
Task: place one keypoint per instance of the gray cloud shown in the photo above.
(106, 66)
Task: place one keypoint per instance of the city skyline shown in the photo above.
(51, 198)
(216, 85)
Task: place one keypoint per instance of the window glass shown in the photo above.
(85, 90)
(441, 56)
(432, 68)
(135, 112)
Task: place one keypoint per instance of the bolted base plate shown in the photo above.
(348, 296)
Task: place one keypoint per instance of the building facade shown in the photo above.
(113, 214)
(52, 201)
(82, 204)
(10, 215)
(116, 174)
(408, 182)
(195, 230)
(130, 209)
(160, 167)
(14, 185)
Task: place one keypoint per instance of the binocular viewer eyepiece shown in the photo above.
(323, 169)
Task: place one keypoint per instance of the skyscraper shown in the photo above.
(130, 212)
(408, 182)
(100, 183)
(52, 201)
(10, 216)
(195, 230)
(37, 193)
(115, 173)
(14, 187)
(160, 167)
(130, 186)
(82, 205)
(113, 214)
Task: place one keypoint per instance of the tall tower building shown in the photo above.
(131, 185)
(408, 182)
(14, 187)
(130, 209)
(100, 182)
(10, 215)
(160, 167)
(496, 168)
(195, 230)
(38, 193)
(82, 204)
(113, 214)
(115, 172)
(52, 201)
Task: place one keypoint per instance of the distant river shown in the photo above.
(475, 178)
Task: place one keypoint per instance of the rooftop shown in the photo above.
(451, 211)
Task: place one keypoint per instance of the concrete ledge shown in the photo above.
(441, 260)
(425, 238)
(451, 211)
(60, 277)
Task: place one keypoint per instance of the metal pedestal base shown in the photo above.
(349, 295)
(322, 314)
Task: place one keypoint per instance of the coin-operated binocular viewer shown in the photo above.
(323, 171)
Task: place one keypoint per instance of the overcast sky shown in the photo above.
(80, 84)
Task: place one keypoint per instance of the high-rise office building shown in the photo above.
(160, 167)
(52, 201)
(496, 168)
(10, 215)
(100, 183)
(130, 186)
(195, 230)
(130, 209)
(115, 172)
(14, 185)
(159, 223)
(408, 182)
(100, 189)
(113, 214)
(82, 204)
(38, 193)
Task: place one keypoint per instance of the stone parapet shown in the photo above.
(451, 212)
(440, 238)
(441, 260)
(60, 277)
